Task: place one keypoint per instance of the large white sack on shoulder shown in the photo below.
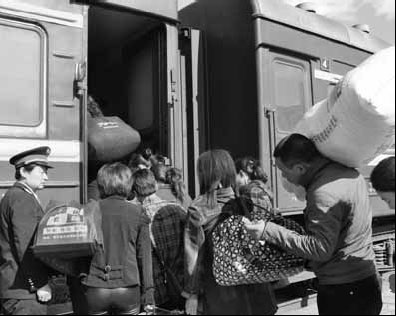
(357, 122)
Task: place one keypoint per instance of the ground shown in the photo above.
(388, 297)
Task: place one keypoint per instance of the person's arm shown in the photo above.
(260, 199)
(194, 239)
(324, 219)
(23, 226)
(93, 191)
(144, 261)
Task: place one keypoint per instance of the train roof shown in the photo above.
(166, 9)
(283, 13)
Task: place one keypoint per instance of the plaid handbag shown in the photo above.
(239, 259)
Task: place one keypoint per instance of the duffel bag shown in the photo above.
(68, 233)
(356, 123)
(110, 139)
(239, 259)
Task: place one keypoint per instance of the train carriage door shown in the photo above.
(190, 45)
(288, 96)
(133, 70)
(177, 124)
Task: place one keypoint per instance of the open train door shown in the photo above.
(191, 66)
(133, 69)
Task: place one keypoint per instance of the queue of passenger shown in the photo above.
(157, 241)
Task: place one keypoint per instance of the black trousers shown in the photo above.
(357, 298)
(77, 295)
(120, 301)
(22, 307)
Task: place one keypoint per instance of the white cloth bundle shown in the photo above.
(298, 190)
(356, 123)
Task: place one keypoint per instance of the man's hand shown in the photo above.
(149, 309)
(254, 229)
(44, 294)
(192, 305)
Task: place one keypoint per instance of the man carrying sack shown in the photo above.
(338, 217)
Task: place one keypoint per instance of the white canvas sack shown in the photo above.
(298, 190)
(356, 123)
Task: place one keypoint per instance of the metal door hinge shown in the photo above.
(173, 86)
(269, 110)
(186, 32)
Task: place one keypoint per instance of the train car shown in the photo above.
(256, 67)
(56, 53)
(231, 74)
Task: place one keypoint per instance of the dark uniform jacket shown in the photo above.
(20, 213)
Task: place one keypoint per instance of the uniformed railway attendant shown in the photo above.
(24, 288)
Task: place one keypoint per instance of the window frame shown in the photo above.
(277, 59)
(39, 130)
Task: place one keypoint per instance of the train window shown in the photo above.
(290, 98)
(22, 89)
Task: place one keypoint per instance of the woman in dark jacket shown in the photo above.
(216, 172)
(120, 277)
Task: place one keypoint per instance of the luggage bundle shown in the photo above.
(68, 232)
(356, 123)
(239, 259)
(109, 137)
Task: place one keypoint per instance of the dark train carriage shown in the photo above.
(257, 67)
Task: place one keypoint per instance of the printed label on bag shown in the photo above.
(83, 229)
(70, 216)
(108, 125)
(326, 133)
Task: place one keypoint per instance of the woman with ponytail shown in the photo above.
(174, 178)
(171, 187)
